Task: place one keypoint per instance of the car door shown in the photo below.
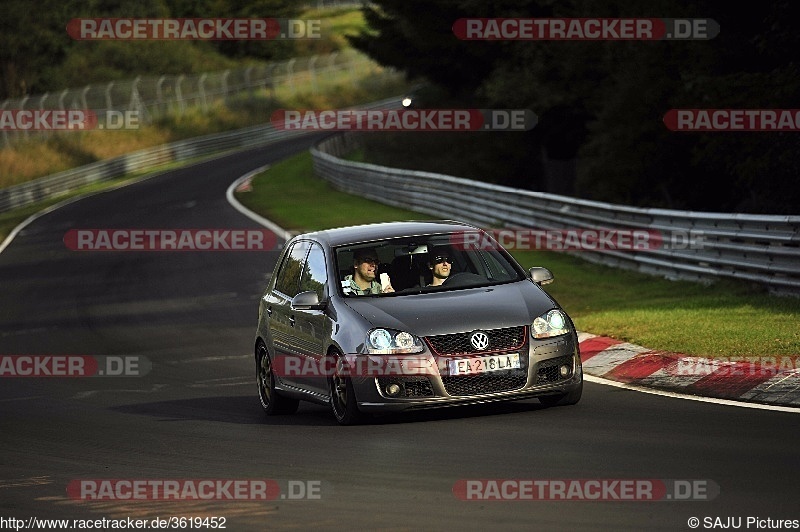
(280, 316)
(312, 327)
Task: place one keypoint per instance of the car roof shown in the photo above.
(370, 232)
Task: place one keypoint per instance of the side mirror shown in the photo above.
(307, 301)
(541, 275)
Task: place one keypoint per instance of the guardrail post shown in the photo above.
(61, 104)
(137, 104)
(5, 134)
(201, 87)
(290, 74)
(84, 92)
(224, 83)
(313, 73)
(271, 81)
(134, 91)
(22, 106)
(44, 134)
(332, 61)
(179, 95)
(352, 67)
(248, 83)
(262, 80)
(109, 104)
(160, 94)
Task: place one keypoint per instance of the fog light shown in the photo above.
(564, 371)
(392, 389)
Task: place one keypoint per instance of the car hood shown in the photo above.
(452, 311)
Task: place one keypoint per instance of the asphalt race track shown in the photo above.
(196, 415)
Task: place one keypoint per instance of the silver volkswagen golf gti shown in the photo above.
(409, 315)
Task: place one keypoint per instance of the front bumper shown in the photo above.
(540, 376)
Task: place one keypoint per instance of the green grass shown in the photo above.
(724, 319)
(727, 318)
(290, 195)
(25, 161)
(365, 82)
(29, 160)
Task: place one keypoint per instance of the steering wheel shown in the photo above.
(462, 278)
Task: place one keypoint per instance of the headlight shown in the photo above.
(551, 323)
(389, 342)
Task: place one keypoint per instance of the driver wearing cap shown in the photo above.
(439, 263)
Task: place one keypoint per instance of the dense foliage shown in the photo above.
(601, 103)
(37, 54)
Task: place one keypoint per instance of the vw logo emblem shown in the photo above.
(479, 340)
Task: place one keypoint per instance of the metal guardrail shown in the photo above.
(761, 249)
(142, 160)
(63, 182)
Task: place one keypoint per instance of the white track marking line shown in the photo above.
(675, 395)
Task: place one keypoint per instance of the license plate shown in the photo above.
(471, 366)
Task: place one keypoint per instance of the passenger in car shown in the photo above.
(440, 264)
(363, 280)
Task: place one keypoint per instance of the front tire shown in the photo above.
(343, 398)
(272, 402)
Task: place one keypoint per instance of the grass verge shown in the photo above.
(290, 195)
(29, 159)
(24, 159)
(726, 319)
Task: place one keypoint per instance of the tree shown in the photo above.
(32, 37)
(604, 101)
(417, 36)
(263, 50)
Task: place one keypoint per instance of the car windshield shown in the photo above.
(424, 263)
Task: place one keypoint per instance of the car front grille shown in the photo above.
(547, 370)
(507, 339)
(497, 381)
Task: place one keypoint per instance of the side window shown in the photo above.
(288, 281)
(315, 274)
